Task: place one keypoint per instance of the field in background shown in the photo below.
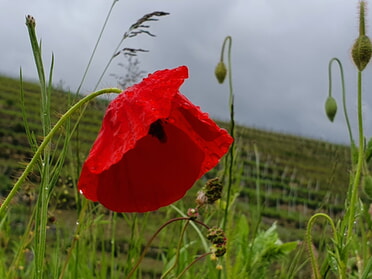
(296, 175)
(293, 176)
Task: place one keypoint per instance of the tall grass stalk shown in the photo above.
(78, 162)
(229, 163)
(45, 142)
(96, 46)
(134, 30)
(45, 159)
(313, 259)
(179, 246)
(134, 268)
(43, 154)
(192, 263)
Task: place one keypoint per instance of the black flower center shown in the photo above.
(157, 130)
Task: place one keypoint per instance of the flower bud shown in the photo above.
(30, 20)
(331, 108)
(219, 267)
(220, 72)
(362, 49)
(193, 213)
(361, 52)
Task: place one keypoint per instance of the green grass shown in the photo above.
(293, 170)
(297, 177)
(280, 185)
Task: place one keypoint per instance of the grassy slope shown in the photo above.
(297, 175)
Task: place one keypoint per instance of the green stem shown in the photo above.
(75, 241)
(24, 241)
(309, 242)
(96, 45)
(177, 251)
(197, 230)
(41, 219)
(258, 183)
(192, 263)
(45, 142)
(134, 268)
(78, 162)
(36, 49)
(343, 94)
(232, 129)
(362, 25)
(358, 173)
(44, 189)
(113, 244)
(110, 60)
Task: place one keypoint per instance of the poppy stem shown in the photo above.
(96, 45)
(353, 191)
(192, 263)
(309, 242)
(45, 142)
(343, 94)
(229, 163)
(188, 219)
(134, 268)
(177, 251)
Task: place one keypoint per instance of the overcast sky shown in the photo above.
(280, 53)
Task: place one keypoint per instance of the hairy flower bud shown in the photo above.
(362, 49)
(220, 72)
(361, 52)
(331, 108)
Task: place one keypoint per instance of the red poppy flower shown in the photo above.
(152, 147)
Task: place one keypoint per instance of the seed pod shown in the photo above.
(220, 72)
(361, 52)
(331, 108)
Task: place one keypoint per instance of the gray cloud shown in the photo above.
(280, 53)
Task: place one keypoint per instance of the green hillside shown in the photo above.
(297, 176)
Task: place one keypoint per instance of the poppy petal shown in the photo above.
(152, 147)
